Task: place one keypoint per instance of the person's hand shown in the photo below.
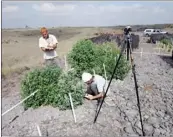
(49, 47)
(90, 97)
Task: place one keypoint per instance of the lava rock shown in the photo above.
(148, 129)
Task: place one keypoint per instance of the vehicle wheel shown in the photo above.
(147, 35)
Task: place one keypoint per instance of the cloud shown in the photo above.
(10, 8)
(84, 13)
(93, 9)
(89, 13)
(51, 8)
(158, 10)
(128, 8)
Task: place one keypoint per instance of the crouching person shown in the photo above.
(96, 86)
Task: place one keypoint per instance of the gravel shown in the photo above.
(121, 119)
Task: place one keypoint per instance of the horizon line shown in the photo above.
(28, 27)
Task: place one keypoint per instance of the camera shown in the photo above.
(127, 30)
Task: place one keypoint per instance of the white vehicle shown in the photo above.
(148, 32)
(160, 31)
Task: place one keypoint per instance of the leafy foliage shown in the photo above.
(169, 26)
(86, 56)
(69, 83)
(168, 44)
(82, 56)
(53, 87)
(166, 41)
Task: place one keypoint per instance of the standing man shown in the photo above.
(48, 44)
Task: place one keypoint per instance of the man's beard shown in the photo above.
(47, 36)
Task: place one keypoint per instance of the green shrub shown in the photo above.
(53, 87)
(106, 54)
(169, 26)
(69, 83)
(86, 56)
(82, 56)
(169, 48)
(166, 41)
(168, 44)
(45, 81)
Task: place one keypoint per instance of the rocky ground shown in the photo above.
(119, 117)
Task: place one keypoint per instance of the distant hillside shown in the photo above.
(143, 27)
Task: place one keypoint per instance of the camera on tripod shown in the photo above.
(127, 30)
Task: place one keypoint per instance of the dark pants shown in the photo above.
(55, 62)
(92, 90)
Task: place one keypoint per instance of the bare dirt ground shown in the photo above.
(120, 118)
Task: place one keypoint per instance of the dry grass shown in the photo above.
(20, 47)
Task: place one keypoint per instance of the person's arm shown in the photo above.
(100, 95)
(91, 97)
(45, 49)
(41, 45)
(53, 47)
(55, 42)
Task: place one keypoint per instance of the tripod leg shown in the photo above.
(128, 50)
(98, 104)
(116, 65)
(136, 87)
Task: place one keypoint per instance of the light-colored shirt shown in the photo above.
(45, 42)
(100, 82)
(99, 85)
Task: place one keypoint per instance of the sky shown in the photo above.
(84, 13)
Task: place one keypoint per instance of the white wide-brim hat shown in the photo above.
(86, 77)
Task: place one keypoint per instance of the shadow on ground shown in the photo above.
(167, 59)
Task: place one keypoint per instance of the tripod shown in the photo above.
(126, 45)
(128, 42)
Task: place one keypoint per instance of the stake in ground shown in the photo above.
(54, 85)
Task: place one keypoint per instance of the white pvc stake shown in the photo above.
(116, 57)
(157, 43)
(71, 69)
(168, 48)
(104, 70)
(71, 102)
(159, 51)
(105, 75)
(38, 129)
(94, 71)
(160, 45)
(164, 47)
(141, 52)
(19, 103)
